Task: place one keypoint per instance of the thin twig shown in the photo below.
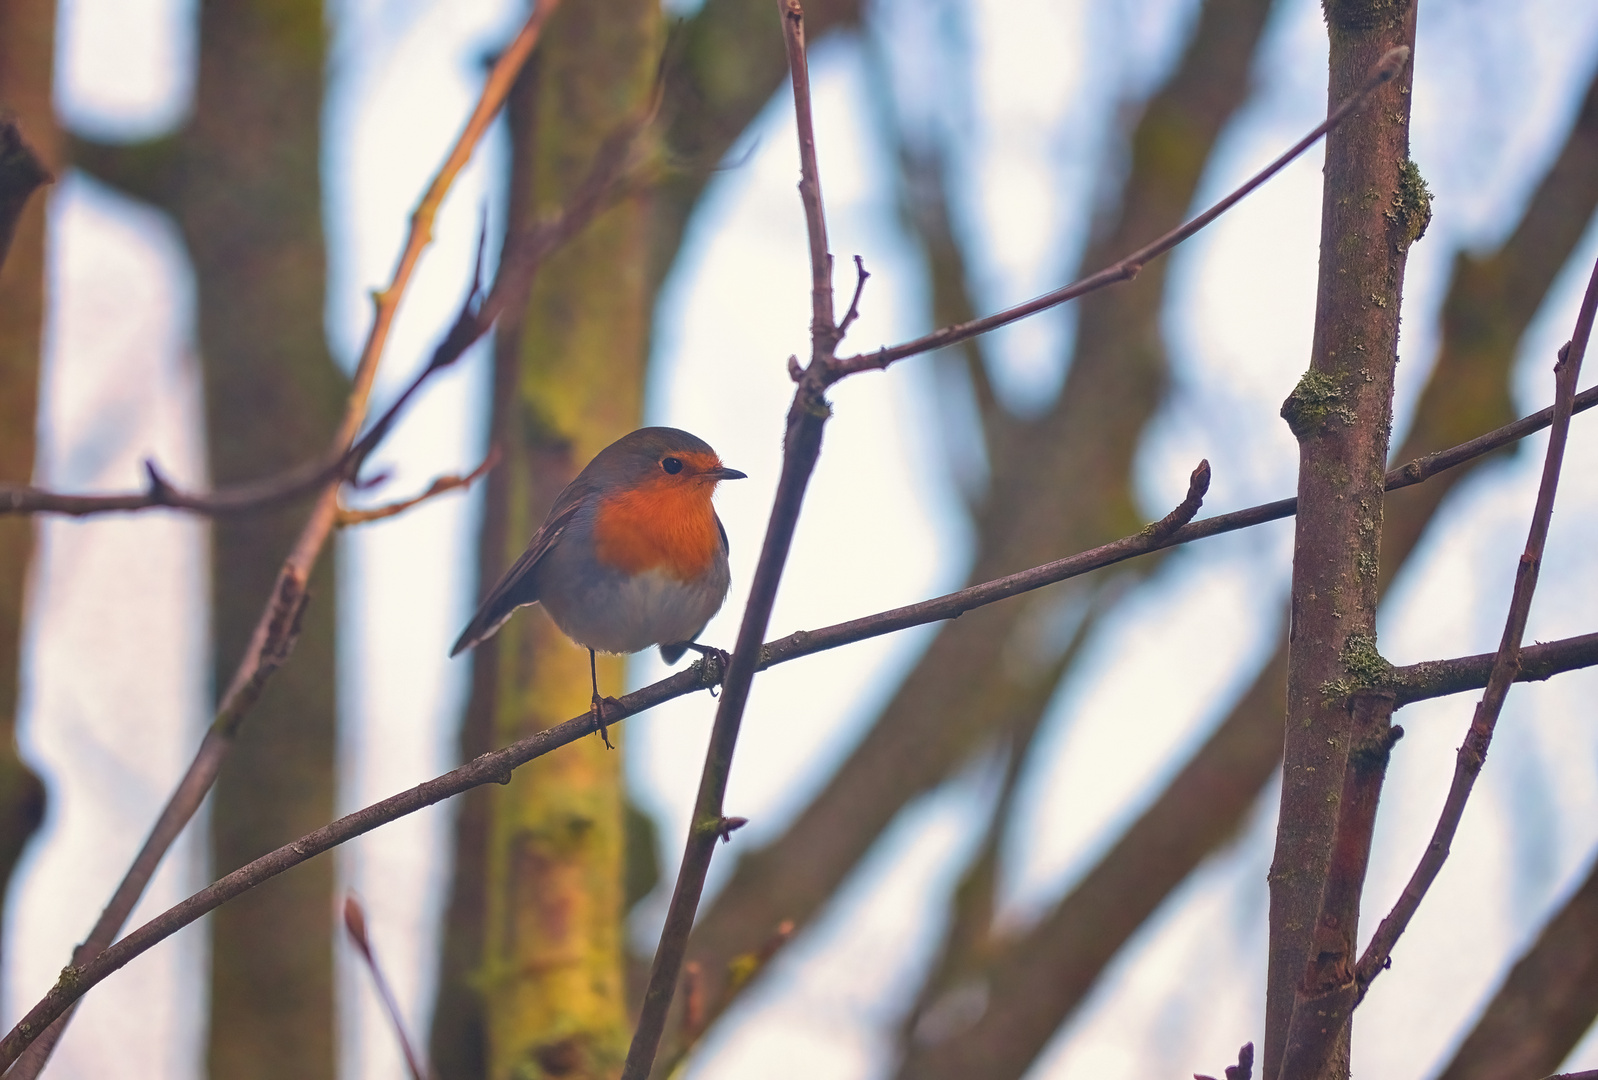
(348, 517)
(861, 273)
(1414, 683)
(274, 635)
(355, 926)
(160, 492)
(807, 416)
(1128, 268)
(1473, 753)
(306, 478)
(824, 332)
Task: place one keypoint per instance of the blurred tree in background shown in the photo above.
(534, 977)
(27, 60)
(242, 179)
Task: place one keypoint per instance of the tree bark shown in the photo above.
(243, 181)
(1373, 207)
(27, 49)
(535, 982)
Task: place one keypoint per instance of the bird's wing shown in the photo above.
(515, 587)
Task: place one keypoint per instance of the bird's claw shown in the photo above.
(721, 656)
(599, 704)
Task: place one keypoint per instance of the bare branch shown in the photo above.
(1327, 994)
(355, 926)
(1128, 268)
(348, 517)
(854, 305)
(824, 332)
(1473, 753)
(1439, 678)
(807, 416)
(274, 634)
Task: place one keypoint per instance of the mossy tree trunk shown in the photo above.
(27, 48)
(729, 62)
(535, 975)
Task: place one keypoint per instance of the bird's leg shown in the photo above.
(599, 702)
(723, 658)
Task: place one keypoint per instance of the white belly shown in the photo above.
(622, 614)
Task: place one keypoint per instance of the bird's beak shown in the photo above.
(721, 472)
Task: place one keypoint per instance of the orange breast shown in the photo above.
(666, 524)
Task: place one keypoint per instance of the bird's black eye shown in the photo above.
(671, 465)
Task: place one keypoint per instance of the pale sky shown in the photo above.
(1028, 87)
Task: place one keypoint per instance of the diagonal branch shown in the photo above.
(1473, 753)
(441, 486)
(278, 626)
(1386, 69)
(801, 448)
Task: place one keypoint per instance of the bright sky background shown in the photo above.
(1026, 87)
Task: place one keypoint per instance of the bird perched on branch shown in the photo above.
(631, 555)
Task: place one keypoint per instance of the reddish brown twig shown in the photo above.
(355, 926)
(348, 517)
(1128, 268)
(274, 634)
(807, 416)
(1473, 753)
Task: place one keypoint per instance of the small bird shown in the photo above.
(631, 555)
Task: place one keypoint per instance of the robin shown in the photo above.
(631, 555)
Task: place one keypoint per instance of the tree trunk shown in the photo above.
(243, 181)
(1373, 207)
(535, 970)
(27, 49)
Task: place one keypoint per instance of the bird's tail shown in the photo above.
(484, 625)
